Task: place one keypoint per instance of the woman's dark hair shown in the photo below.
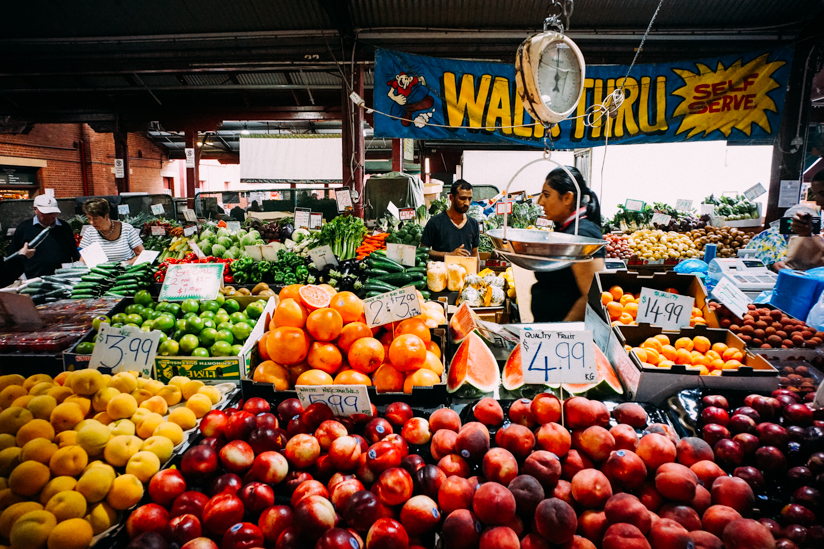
(560, 182)
(98, 207)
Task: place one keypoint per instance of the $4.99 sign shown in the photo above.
(558, 357)
(670, 311)
(392, 306)
(124, 349)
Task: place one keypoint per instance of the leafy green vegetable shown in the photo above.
(343, 234)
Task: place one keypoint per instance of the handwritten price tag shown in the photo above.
(402, 253)
(634, 205)
(542, 222)
(661, 218)
(146, 256)
(301, 218)
(192, 281)
(189, 215)
(157, 209)
(94, 255)
(406, 214)
(189, 231)
(158, 230)
(670, 311)
(731, 297)
(233, 226)
(196, 249)
(123, 209)
(558, 357)
(503, 208)
(344, 199)
(323, 256)
(315, 220)
(755, 191)
(124, 349)
(392, 306)
(683, 205)
(344, 400)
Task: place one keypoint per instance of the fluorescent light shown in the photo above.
(426, 166)
(244, 131)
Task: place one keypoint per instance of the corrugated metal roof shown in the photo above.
(164, 80)
(106, 81)
(260, 78)
(207, 79)
(315, 77)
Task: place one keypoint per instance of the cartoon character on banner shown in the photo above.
(412, 102)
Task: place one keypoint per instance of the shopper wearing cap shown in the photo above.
(59, 246)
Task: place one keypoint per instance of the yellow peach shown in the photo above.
(184, 417)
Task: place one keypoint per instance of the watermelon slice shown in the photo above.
(462, 323)
(474, 369)
(513, 379)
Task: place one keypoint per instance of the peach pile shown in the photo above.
(78, 448)
(710, 359)
(768, 328)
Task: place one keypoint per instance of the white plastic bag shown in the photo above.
(436, 276)
(455, 277)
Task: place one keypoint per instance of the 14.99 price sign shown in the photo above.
(670, 311)
(125, 349)
(558, 357)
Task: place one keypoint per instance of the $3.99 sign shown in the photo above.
(670, 311)
(392, 306)
(124, 349)
(558, 357)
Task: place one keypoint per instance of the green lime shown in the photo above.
(164, 322)
(241, 331)
(238, 317)
(188, 343)
(207, 314)
(178, 335)
(193, 325)
(221, 316)
(148, 323)
(155, 314)
(221, 348)
(208, 323)
(119, 318)
(169, 347)
(236, 349)
(173, 309)
(147, 314)
(134, 319)
(187, 316)
(190, 306)
(163, 337)
(202, 352)
(252, 321)
(181, 324)
(220, 299)
(98, 320)
(207, 336)
(145, 328)
(133, 325)
(151, 305)
(84, 348)
(225, 326)
(255, 309)
(133, 309)
(211, 306)
(225, 335)
(162, 306)
(231, 305)
(117, 325)
(142, 297)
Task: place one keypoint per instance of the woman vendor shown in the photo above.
(120, 241)
(561, 296)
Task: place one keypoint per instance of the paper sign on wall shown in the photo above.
(119, 169)
(755, 191)
(344, 199)
(315, 220)
(157, 209)
(731, 297)
(190, 157)
(344, 400)
(123, 209)
(392, 306)
(402, 253)
(558, 357)
(503, 208)
(125, 349)
(683, 205)
(192, 281)
(94, 255)
(301, 218)
(788, 193)
(323, 256)
(146, 256)
(670, 311)
(406, 214)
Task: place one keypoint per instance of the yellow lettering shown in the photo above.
(520, 115)
(556, 131)
(625, 116)
(597, 98)
(660, 124)
(578, 122)
(538, 132)
(610, 129)
(500, 107)
(464, 103)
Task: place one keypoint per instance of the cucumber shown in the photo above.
(396, 279)
(381, 253)
(373, 294)
(425, 249)
(379, 284)
(385, 263)
(426, 294)
(378, 288)
(416, 270)
(89, 285)
(376, 272)
(419, 284)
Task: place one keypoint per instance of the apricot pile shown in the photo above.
(710, 359)
(622, 307)
(769, 328)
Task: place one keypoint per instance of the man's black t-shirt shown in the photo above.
(442, 235)
(59, 247)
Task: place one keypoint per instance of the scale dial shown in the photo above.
(559, 77)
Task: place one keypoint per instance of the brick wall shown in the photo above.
(58, 145)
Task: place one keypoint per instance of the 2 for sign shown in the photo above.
(392, 307)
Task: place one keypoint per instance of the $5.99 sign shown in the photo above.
(558, 357)
(124, 349)
(670, 311)
(392, 306)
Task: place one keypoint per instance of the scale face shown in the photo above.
(749, 275)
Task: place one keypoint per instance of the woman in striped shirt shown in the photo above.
(120, 241)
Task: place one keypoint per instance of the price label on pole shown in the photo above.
(344, 199)
(315, 221)
(123, 209)
(392, 306)
(731, 297)
(158, 230)
(189, 215)
(634, 205)
(542, 222)
(755, 191)
(406, 214)
(302, 218)
(125, 349)
(503, 208)
(157, 209)
(196, 249)
(683, 205)
(119, 168)
(323, 256)
(344, 400)
(402, 253)
(558, 357)
(189, 231)
(670, 311)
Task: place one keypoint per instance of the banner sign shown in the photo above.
(736, 98)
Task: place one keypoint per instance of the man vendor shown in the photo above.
(453, 232)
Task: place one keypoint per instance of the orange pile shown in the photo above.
(623, 307)
(697, 352)
(320, 337)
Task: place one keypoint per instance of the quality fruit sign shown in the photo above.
(558, 357)
(734, 98)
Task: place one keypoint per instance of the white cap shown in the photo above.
(46, 204)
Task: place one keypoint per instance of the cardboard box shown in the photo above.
(685, 284)
(646, 383)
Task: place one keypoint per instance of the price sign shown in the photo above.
(755, 191)
(200, 281)
(392, 306)
(406, 214)
(189, 215)
(731, 297)
(158, 230)
(558, 357)
(542, 222)
(124, 349)
(196, 249)
(123, 209)
(93, 255)
(315, 221)
(344, 400)
(683, 205)
(323, 256)
(189, 231)
(503, 208)
(10, 232)
(634, 205)
(391, 208)
(402, 253)
(670, 311)
(344, 199)
(157, 209)
(233, 226)
(119, 169)
(146, 256)
(661, 218)
(190, 157)
(302, 218)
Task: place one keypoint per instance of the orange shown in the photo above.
(669, 352)
(352, 377)
(731, 365)
(684, 343)
(606, 297)
(420, 378)
(651, 343)
(329, 289)
(265, 372)
(433, 348)
(640, 353)
(671, 291)
(324, 356)
(296, 370)
(625, 319)
(324, 324)
(716, 364)
(290, 292)
(352, 332)
(433, 363)
(348, 305)
(732, 354)
(666, 364)
(314, 377)
(719, 347)
(289, 312)
(287, 345)
(683, 356)
(626, 298)
(407, 352)
(695, 353)
(716, 373)
(314, 297)
(414, 326)
(631, 309)
(386, 340)
(652, 356)
(388, 380)
(262, 350)
(701, 344)
(615, 310)
(366, 354)
(664, 339)
(616, 292)
(697, 312)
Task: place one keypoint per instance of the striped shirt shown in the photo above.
(116, 250)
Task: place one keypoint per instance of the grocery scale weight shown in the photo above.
(750, 276)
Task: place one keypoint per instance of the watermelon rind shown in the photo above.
(472, 349)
